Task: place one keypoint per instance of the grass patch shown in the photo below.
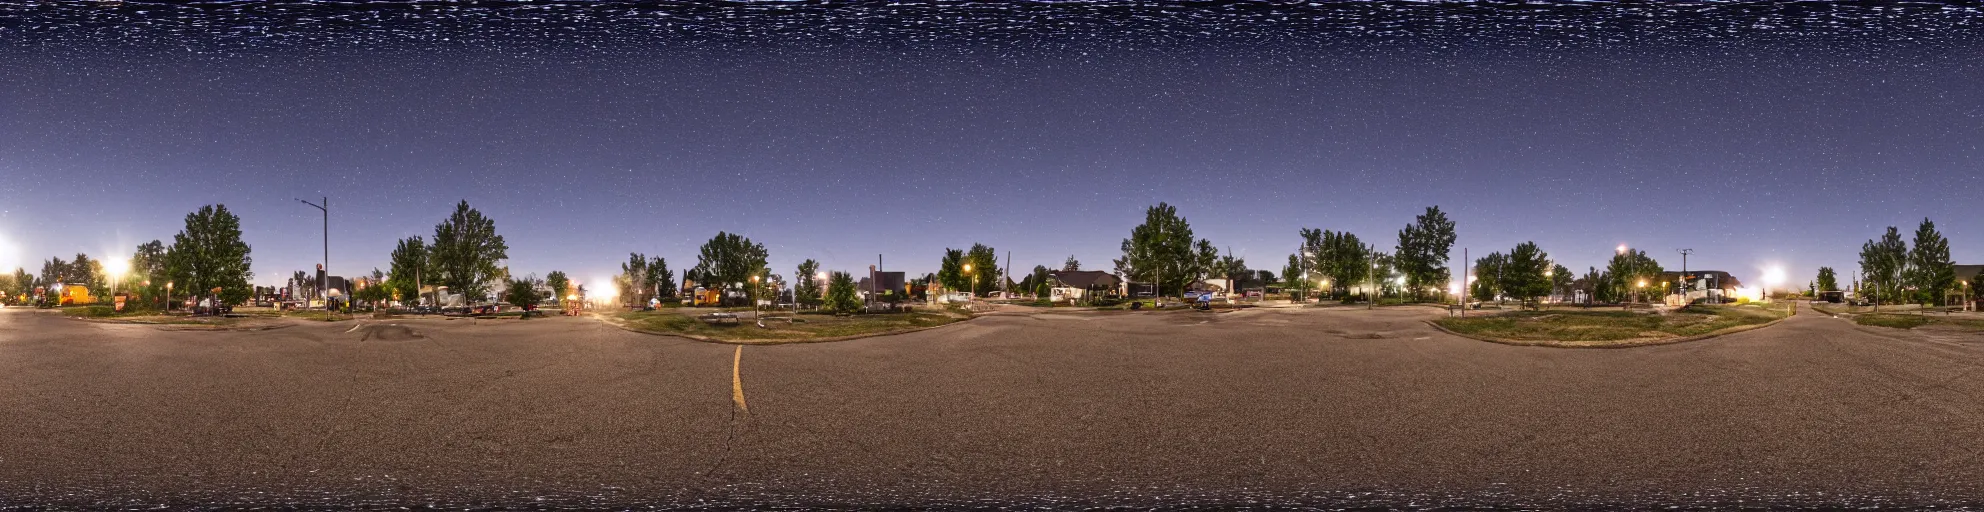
(1609, 326)
(1911, 321)
(808, 327)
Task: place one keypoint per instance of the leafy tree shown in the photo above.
(984, 269)
(1235, 271)
(1071, 265)
(54, 270)
(729, 259)
(1338, 256)
(1205, 261)
(806, 289)
(88, 273)
(148, 270)
(209, 254)
(950, 272)
(659, 279)
(1039, 282)
(560, 285)
(1629, 269)
(520, 292)
(407, 268)
(1828, 281)
(840, 295)
(1930, 270)
(376, 290)
(9, 284)
(1560, 279)
(1882, 262)
(1422, 250)
(24, 283)
(1597, 286)
(1523, 275)
(1488, 282)
(1161, 251)
(467, 252)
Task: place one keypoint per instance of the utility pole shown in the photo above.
(1465, 270)
(323, 281)
(1688, 284)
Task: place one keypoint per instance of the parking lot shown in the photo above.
(1338, 407)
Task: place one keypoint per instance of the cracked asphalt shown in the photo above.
(1330, 408)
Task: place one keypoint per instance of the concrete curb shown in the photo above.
(705, 339)
(1622, 344)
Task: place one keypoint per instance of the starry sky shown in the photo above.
(1756, 134)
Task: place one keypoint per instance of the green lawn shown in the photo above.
(1600, 328)
(1911, 321)
(809, 327)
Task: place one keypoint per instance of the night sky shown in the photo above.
(1757, 134)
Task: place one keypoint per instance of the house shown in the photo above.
(1073, 285)
(877, 283)
(1704, 284)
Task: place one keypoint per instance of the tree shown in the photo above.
(1828, 281)
(408, 266)
(54, 270)
(1339, 256)
(1560, 279)
(209, 254)
(375, 291)
(1629, 269)
(520, 292)
(1039, 282)
(806, 289)
(840, 295)
(24, 283)
(631, 279)
(1523, 276)
(301, 286)
(1488, 282)
(950, 271)
(467, 253)
(1422, 250)
(1930, 270)
(1160, 251)
(560, 285)
(985, 274)
(1071, 265)
(659, 279)
(148, 270)
(1882, 262)
(88, 273)
(729, 260)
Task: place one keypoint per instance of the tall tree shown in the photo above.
(1523, 276)
(54, 271)
(407, 270)
(1039, 282)
(806, 287)
(210, 254)
(1161, 251)
(1071, 265)
(560, 285)
(1339, 257)
(88, 272)
(659, 280)
(840, 294)
(148, 270)
(633, 278)
(984, 268)
(521, 292)
(1560, 279)
(1930, 270)
(1828, 280)
(467, 253)
(1488, 282)
(1631, 268)
(729, 260)
(950, 271)
(1882, 263)
(1422, 251)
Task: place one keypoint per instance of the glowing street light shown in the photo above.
(1622, 248)
(974, 282)
(116, 267)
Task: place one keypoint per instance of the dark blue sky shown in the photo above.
(839, 134)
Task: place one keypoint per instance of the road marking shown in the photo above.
(737, 380)
(355, 327)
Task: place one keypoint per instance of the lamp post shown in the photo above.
(755, 292)
(168, 296)
(323, 281)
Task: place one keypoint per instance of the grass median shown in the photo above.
(804, 327)
(1609, 328)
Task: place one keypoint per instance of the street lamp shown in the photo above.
(755, 291)
(974, 283)
(323, 281)
(168, 296)
(116, 267)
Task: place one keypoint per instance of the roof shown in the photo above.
(1968, 273)
(1085, 278)
(1722, 279)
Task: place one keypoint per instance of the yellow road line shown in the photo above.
(737, 380)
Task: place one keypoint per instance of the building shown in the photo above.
(1703, 284)
(876, 284)
(1076, 285)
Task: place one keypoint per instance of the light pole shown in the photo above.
(974, 284)
(168, 296)
(323, 280)
(755, 292)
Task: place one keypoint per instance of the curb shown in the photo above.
(1626, 344)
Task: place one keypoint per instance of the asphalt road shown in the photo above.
(1304, 408)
